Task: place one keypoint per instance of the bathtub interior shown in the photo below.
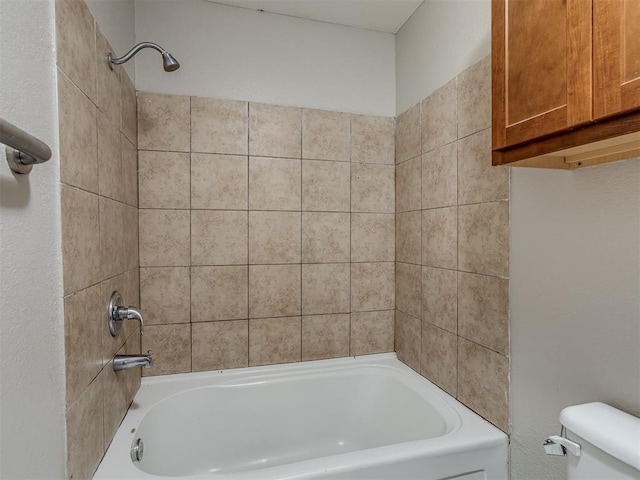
(262, 422)
(356, 418)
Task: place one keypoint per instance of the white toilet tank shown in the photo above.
(609, 441)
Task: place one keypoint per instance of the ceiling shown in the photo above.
(380, 15)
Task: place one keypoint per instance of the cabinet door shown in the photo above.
(616, 52)
(542, 77)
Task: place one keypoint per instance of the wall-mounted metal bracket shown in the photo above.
(23, 150)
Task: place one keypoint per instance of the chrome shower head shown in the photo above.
(169, 62)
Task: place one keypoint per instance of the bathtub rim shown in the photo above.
(471, 432)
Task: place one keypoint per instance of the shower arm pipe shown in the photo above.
(127, 56)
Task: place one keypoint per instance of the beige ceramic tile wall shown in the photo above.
(266, 233)
(98, 171)
(452, 245)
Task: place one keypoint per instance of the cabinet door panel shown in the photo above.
(541, 67)
(616, 28)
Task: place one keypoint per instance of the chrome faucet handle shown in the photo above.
(131, 313)
(117, 312)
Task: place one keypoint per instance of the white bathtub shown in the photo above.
(367, 417)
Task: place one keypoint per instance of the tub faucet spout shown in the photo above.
(125, 362)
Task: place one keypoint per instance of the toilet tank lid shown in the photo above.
(611, 430)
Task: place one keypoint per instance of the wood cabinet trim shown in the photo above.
(498, 60)
(580, 58)
(607, 73)
(594, 132)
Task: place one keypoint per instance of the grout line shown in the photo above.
(420, 368)
(301, 227)
(248, 197)
(351, 213)
(350, 221)
(190, 231)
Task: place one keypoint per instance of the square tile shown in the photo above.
(80, 239)
(407, 340)
(83, 340)
(112, 224)
(474, 98)
(108, 98)
(478, 180)
(274, 237)
(372, 237)
(163, 122)
(325, 288)
(219, 237)
(326, 135)
(483, 238)
(439, 359)
(78, 132)
(131, 289)
(409, 289)
(115, 398)
(372, 286)
(408, 185)
(128, 108)
(483, 310)
(164, 238)
(372, 188)
(325, 237)
(274, 291)
(110, 345)
(219, 182)
(274, 183)
(372, 332)
(373, 139)
(483, 382)
(275, 131)
(130, 237)
(325, 336)
(408, 134)
(110, 174)
(164, 180)
(170, 347)
(440, 298)
(76, 43)
(219, 126)
(325, 186)
(440, 177)
(440, 238)
(275, 340)
(165, 294)
(219, 293)
(85, 442)
(408, 237)
(439, 117)
(129, 172)
(220, 345)
(132, 377)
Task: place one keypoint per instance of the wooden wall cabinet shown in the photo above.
(566, 82)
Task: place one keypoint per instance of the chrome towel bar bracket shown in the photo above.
(23, 150)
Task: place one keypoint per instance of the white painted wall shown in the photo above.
(116, 19)
(575, 301)
(32, 384)
(440, 40)
(235, 53)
